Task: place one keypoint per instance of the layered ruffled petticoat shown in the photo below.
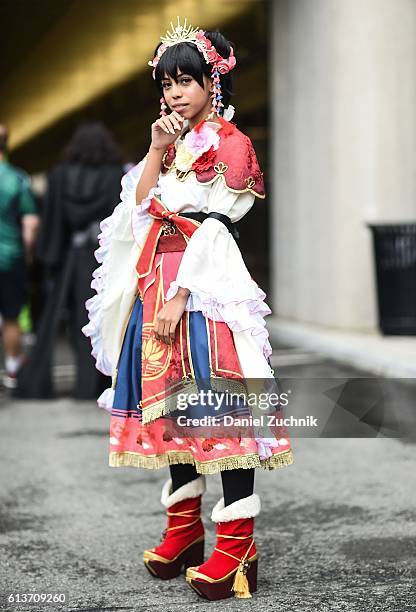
(221, 334)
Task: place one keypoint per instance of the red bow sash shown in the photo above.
(160, 214)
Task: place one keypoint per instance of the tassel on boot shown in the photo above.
(240, 585)
(232, 568)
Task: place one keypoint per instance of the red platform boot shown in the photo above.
(232, 567)
(183, 539)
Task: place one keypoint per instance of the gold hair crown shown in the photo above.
(186, 33)
(179, 34)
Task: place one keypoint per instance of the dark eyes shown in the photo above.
(182, 81)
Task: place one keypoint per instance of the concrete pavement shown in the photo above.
(337, 531)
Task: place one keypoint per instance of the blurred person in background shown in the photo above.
(18, 230)
(82, 188)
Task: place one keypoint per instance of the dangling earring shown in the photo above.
(163, 107)
(216, 94)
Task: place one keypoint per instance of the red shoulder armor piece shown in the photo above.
(236, 160)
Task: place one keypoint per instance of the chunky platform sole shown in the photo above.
(166, 569)
(222, 588)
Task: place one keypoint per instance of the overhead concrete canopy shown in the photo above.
(65, 56)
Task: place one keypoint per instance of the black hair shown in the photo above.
(92, 144)
(186, 57)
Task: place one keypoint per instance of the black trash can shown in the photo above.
(395, 258)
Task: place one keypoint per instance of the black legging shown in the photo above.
(236, 484)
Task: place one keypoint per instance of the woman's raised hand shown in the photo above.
(166, 130)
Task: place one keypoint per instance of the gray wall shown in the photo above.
(343, 153)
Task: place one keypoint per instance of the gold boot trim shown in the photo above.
(192, 573)
(149, 555)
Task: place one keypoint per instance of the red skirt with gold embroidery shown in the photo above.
(151, 373)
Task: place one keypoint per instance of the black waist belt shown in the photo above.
(200, 216)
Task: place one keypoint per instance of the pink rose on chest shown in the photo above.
(200, 142)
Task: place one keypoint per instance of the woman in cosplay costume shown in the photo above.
(176, 304)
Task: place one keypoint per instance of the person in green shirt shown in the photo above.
(19, 223)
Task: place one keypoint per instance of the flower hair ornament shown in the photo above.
(220, 65)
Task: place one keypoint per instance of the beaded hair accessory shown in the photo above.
(220, 65)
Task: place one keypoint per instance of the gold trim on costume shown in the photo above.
(220, 167)
(181, 323)
(164, 160)
(192, 573)
(221, 175)
(216, 354)
(153, 279)
(221, 383)
(156, 311)
(258, 195)
(211, 371)
(182, 175)
(153, 252)
(164, 406)
(190, 361)
(171, 388)
(149, 555)
(161, 284)
(154, 462)
(154, 346)
(228, 385)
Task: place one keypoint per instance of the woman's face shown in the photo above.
(186, 96)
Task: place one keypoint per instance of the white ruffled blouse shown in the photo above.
(212, 268)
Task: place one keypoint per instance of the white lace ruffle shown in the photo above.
(94, 305)
(128, 223)
(241, 313)
(106, 399)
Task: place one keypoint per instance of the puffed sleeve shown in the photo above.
(214, 271)
(115, 281)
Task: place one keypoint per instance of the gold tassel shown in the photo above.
(240, 584)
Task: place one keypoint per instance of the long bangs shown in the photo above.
(184, 58)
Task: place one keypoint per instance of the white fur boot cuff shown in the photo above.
(247, 507)
(195, 488)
